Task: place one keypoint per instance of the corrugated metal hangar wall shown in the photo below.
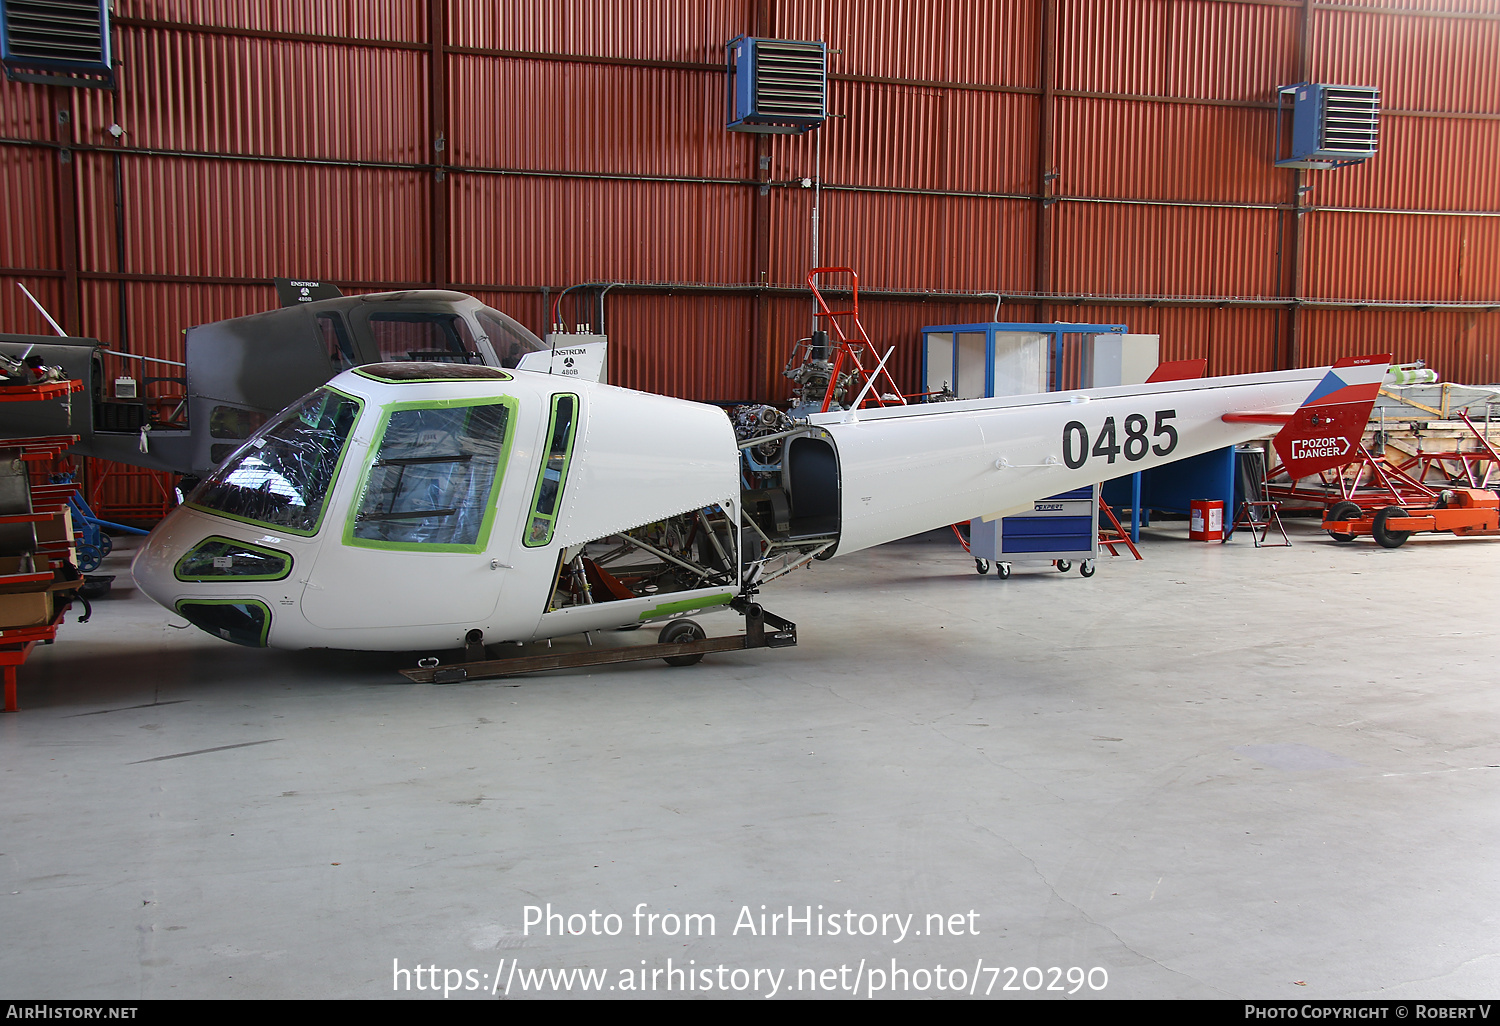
(1086, 160)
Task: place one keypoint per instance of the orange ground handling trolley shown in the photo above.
(1466, 512)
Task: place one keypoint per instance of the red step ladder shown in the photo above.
(1109, 537)
(855, 353)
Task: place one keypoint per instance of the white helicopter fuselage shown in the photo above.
(396, 509)
(651, 456)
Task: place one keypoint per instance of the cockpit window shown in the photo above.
(429, 337)
(554, 471)
(508, 337)
(432, 482)
(281, 476)
(336, 342)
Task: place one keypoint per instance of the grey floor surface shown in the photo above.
(1219, 773)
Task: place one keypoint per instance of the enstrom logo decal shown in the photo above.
(1318, 448)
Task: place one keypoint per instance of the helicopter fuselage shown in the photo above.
(406, 505)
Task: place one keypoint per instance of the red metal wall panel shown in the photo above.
(235, 219)
(509, 230)
(1437, 8)
(1230, 51)
(1422, 164)
(1167, 151)
(592, 118)
(393, 20)
(792, 234)
(1133, 250)
(947, 40)
(264, 97)
(1442, 64)
(17, 315)
(527, 230)
(25, 111)
(1115, 46)
(918, 137)
(694, 346)
(889, 136)
(96, 203)
(28, 195)
(905, 241)
(1461, 345)
(1405, 257)
(634, 29)
(936, 40)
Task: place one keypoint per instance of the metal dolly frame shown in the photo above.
(783, 634)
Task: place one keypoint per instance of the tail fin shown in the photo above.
(1324, 433)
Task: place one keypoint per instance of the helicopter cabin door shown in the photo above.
(416, 538)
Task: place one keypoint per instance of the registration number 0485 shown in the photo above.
(1110, 442)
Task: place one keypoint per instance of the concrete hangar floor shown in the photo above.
(1222, 772)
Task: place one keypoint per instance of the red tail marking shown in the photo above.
(1325, 432)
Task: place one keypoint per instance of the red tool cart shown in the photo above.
(39, 578)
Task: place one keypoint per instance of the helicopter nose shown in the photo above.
(161, 567)
(152, 567)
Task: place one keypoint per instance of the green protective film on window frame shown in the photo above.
(481, 372)
(289, 466)
(213, 559)
(240, 621)
(553, 474)
(434, 470)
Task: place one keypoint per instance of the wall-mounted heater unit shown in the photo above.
(56, 42)
(1332, 125)
(777, 85)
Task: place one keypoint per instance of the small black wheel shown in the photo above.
(1003, 569)
(676, 633)
(1385, 536)
(981, 566)
(1343, 511)
(106, 543)
(1063, 565)
(1086, 568)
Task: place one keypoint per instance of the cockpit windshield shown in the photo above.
(280, 477)
(508, 337)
